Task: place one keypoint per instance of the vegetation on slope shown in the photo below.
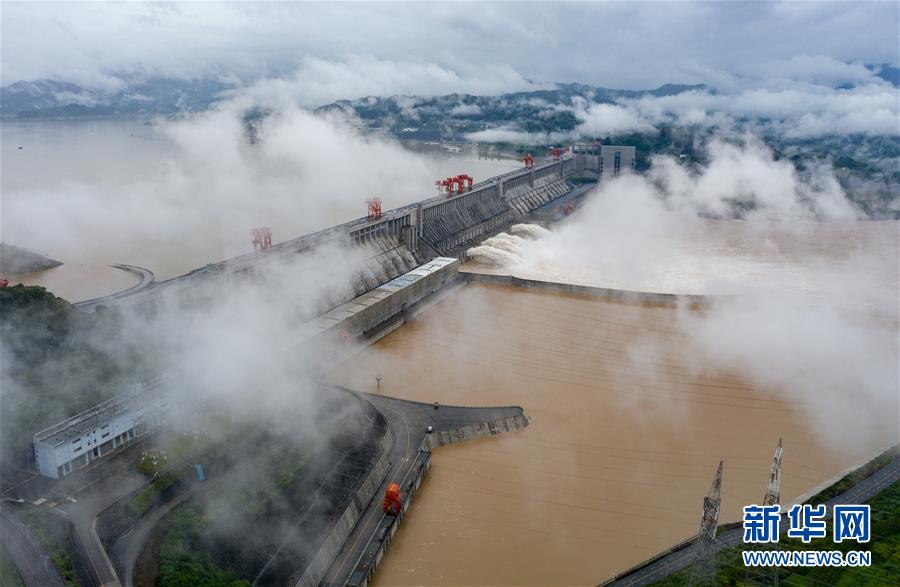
(183, 563)
(57, 361)
(52, 532)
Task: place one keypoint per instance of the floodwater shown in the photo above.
(91, 193)
(619, 453)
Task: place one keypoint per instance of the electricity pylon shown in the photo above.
(763, 575)
(704, 569)
(773, 491)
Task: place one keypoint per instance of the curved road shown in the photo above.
(673, 562)
(146, 280)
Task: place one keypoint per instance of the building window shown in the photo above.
(617, 164)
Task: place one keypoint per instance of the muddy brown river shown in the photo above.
(619, 453)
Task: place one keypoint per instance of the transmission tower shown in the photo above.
(703, 571)
(773, 491)
(763, 575)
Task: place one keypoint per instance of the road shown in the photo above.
(656, 570)
(408, 421)
(146, 279)
(27, 552)
(83, 514)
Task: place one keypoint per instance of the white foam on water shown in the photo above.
(532, 231)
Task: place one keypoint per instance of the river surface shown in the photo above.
(170, 196)
(620, 451)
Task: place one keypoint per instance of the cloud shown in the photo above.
(745, 180)
(811, 313)
(593, 120)
(654, 43)
(608, 119)
(812, 69)
(518, 137)
(801, 112)
(210, 186)
(320, 81)
(466, 110)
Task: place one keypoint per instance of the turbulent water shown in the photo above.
(532, 231)
(505, 250)
(706, 257)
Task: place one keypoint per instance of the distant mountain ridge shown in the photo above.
(140, 96)
(47, 98)
(452, 116)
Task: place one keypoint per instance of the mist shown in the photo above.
(210, 185)
(805, 288)
(242, 379)
(792, 110)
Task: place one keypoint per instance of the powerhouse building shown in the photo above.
(85, 437)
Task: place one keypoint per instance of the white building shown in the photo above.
(75, 442)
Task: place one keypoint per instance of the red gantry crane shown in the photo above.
(465, 181)
(374, 208)
(262, 238)
(528, 160)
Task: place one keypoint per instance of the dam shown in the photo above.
(591, 470)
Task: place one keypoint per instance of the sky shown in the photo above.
(485, 48)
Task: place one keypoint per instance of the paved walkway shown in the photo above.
(682, 557)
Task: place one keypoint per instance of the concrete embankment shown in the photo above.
(615, 295)
(479, 430)
(364, 548)
(375, 550)
(345, 524)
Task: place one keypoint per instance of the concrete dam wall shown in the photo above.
(382, 249)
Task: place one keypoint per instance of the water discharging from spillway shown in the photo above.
(504, 249)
